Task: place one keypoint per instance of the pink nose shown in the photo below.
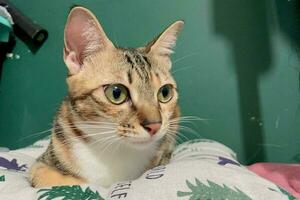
(152, 128)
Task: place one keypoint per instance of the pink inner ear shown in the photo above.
(79, 21)
(72, 62)
(83, 37)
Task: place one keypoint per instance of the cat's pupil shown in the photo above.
(117, 93)
(165, 92)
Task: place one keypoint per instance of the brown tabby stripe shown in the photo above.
(147, 61)
(129, 60)
(102, 106)
(90, 115)
(55, 162)
(142, 64)
(137, 58)
(157, 75)
(50, 158)
(59, 133)
(146, 64)
(74, 107)
(32, 182)
(139, 73)
(77, 132)
(129, 77)
(129, 54)
(82, 96)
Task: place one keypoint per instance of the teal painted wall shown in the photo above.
(236, 64)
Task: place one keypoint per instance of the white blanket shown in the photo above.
(199, 170)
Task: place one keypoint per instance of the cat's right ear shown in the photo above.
(163, 45)
(83, 36)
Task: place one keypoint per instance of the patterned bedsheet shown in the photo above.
(199, 170)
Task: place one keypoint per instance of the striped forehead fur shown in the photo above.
(139, 63)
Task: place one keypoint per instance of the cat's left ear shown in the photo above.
(163, 45)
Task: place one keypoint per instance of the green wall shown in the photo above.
(236, 64)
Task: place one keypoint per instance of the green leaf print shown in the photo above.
(2, 178)
(291, 197)
(212, 191)
(68, 193)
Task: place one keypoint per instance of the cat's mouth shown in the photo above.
(143, 138)
(143, 141)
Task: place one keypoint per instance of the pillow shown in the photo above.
(199, 170)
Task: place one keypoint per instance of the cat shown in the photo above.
(120, 116)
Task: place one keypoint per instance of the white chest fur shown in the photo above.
(104, 166)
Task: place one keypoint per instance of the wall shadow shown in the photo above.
(288, 15)
(245, 25)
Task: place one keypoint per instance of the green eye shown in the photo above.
(165, 93)
(116, 93)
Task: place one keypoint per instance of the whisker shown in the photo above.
(101, 140)
(35, 134)
(187, 56)
(183, 137)
(88, 127)
(192, 118)
(94, 122)
(107, 146)
(192, 132)
(171, 138)
(271, 145)
(116, 149)
(92, 128)
(96, 134)
(179, 134)
(184, 68)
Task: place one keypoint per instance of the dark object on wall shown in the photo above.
(6, 47)
(24, 28)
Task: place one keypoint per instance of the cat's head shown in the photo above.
(129, 92)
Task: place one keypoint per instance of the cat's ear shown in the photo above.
(83, 36)
(163, 44)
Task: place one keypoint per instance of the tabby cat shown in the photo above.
(120, 115)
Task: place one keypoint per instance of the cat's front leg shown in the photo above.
(42, 175)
